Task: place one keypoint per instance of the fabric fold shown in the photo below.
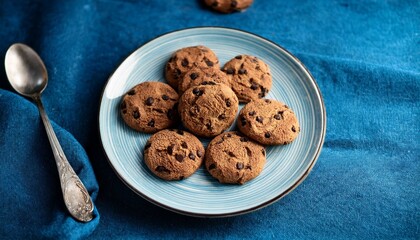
(31, 197)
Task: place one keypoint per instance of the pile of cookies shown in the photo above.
(206, 98)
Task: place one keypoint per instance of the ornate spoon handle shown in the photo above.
(76, 197)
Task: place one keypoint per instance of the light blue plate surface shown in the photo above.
(200, 194)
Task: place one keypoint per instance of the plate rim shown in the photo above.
(234, 213)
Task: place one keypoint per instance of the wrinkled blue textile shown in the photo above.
(365, 56)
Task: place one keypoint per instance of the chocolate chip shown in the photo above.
(151, 123)
(136, 114)
(234, 3)
(191, 156)
(248, 167)
(293, 129)
(197, 92)
(251, 113)
(267, 101)
(204, 83)
(158, 110)
(267, 135)
(228, 135)
(277, 116)
(162, 169)
(285, 106)
(184, 145)
(259, 119)
(263, 92)
(230, 71)
(193, 76)
(212, 166)
(209, 63)
(180, 132)
(131, 92)
(221, 117)
(243, 139)
(228, 103)
(184, 62)
(242, 71)
(148, 144)
(170, 114)
(239, 57)
(220, 141)
(243, 121)
(123, 107)
(149, 101)
(179, 157)
(231, 154)
(209, 126)
(165, 97)
(239, 165)
(199, 153)
(248, 151)
(170, 149)
(263, 151)
(254, 86)
(257, 67)
(254, 60)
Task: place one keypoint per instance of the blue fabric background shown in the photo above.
(365, 56)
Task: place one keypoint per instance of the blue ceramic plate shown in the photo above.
(201, 195)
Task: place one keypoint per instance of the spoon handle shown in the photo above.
(76, 197)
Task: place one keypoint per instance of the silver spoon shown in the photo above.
(28, 76)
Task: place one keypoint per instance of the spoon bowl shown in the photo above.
(26, 71)
(28, 76)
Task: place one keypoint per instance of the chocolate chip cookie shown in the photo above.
(185, 59)
(150, 107)
(268, 122)
(233, 158)
(250, 77)
(228, 6)
(197, 76)
(173, 154)
(208, 110)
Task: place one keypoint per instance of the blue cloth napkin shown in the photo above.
(365, 56)
(31, 200)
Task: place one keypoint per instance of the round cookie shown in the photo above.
(268, 122)
(208, 110)
(228, 6)
(150, 107)
(233, 158)
(197, 76)
(173, 154)
(185, 59)
(250, 77)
